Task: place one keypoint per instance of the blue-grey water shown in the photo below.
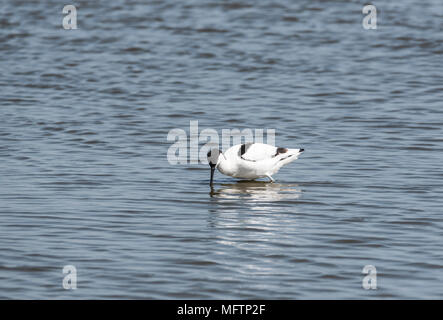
(84, 175)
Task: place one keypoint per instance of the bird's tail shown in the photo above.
(289, 156)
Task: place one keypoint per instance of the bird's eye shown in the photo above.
(209, 154)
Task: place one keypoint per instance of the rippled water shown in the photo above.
(84, 178)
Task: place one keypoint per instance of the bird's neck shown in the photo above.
(224, 166)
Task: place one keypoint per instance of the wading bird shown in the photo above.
(251, 160)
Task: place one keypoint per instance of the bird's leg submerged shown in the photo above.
(270, 178)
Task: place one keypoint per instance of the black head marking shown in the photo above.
(213, 156)
(280, 151)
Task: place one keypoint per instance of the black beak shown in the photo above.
(212, 173)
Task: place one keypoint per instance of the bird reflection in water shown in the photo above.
(257, 191)
(249, 210)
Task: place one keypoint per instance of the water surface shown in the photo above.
(84, 178)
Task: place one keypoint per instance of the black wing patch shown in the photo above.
(244, 147)
(280, 151)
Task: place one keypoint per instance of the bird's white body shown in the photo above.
(255, 160)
